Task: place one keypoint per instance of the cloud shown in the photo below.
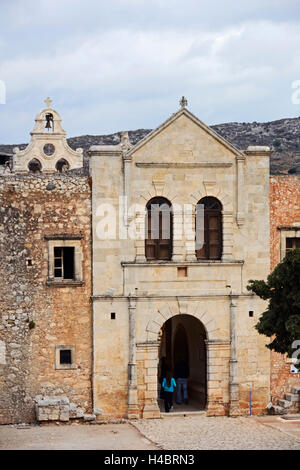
(127, 64)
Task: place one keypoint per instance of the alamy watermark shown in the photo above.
(295, 98)
(160, 220)
(296, 354)
(2, 92)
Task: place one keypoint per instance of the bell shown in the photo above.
(49, 118)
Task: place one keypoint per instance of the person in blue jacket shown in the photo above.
(168, 386)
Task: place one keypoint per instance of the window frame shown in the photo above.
(294, 242)
(209, 213)
(64, 366)
(62, 263)
(64, 241)
(158, 243)
(285, 233)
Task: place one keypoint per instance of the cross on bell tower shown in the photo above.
(48, 102)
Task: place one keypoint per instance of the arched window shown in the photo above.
(62, 165)
(34, 166)
(212, 247)
(158, 242)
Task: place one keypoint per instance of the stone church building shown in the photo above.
(107, 270)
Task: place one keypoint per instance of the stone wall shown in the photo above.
(36, 317)
(284, 212)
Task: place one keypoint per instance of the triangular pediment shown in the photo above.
(186, 138)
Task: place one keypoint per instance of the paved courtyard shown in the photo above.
(222, 433)
(172, 432)
(73, 437)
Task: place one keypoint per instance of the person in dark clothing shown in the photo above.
(168, 386)
(182, 373)
(163, 371)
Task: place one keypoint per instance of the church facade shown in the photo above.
(145, 256)
(153, 300)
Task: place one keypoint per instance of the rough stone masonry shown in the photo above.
(36, 316)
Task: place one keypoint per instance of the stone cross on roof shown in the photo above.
(183, 102)
(48, 102)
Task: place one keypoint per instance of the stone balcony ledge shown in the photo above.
(182, 263)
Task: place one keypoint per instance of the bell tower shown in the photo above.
(48, 150)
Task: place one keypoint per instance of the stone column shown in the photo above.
(177, 234)
(240, 216)
(133, 412)
(218, 353)
(190, 233)
(140, 251)
(126, 189)
(234, 407)
(148, 355)
(177, 250)
(227, 236)
(140, 242)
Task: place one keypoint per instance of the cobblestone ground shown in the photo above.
(215, 433)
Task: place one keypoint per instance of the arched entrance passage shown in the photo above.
(181, 345)
(183, 337)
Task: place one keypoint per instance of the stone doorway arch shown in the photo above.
(183, 337)
(217, 351)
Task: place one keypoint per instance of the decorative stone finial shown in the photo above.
(125, 142)
(48, 102)
(183, 102)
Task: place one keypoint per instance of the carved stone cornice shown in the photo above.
(183, 164)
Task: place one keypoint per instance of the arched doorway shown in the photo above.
(183, 337)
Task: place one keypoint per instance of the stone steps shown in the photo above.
(285, 403)
(292, 397)
(278, 410)
(290, 403)
(58, 408)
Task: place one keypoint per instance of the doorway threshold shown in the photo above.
(182, 413)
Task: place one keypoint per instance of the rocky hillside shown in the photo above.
(283, 136)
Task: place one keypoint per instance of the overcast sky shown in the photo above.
(112, 65)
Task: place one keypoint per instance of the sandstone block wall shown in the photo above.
(182, 162)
